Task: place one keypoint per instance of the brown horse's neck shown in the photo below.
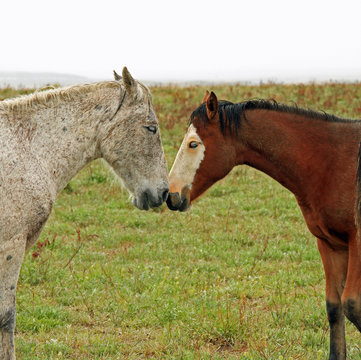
(296, 151)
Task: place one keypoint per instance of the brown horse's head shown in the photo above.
(205, 156)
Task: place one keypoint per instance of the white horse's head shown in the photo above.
(131, 144)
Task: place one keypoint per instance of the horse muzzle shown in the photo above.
(147, 199)
(179, 202)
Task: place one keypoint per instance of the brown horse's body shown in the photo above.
(315, 157)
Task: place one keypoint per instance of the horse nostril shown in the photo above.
(165, 195)
(173, 201)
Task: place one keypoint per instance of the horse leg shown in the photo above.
(335, 265)
(11, 257)
(351, 297)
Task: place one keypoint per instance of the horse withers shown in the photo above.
(312, 154)
(46, 139)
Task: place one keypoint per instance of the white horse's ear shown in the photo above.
(117, 77)
(128, 80)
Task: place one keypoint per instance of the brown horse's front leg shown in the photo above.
(336, 319)
(335, 265)
(351, 297)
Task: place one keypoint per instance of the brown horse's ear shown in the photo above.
(212, 105)
(205, 96)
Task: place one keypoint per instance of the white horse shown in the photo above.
(46, 139)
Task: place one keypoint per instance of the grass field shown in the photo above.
(237, 277)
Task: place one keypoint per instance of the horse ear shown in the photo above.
(128, 80)
(212, 105)
(205, 96)
(117, 77)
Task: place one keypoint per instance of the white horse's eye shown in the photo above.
(151, 128)
(193, 144)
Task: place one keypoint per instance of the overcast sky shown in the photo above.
(224, 40)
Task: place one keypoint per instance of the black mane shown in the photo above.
(232, 115)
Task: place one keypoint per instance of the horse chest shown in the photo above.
(332, 227)
(26, 196)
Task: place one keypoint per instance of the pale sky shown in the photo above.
(224, 40)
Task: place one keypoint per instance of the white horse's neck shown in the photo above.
(63, 135)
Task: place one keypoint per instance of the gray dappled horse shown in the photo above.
(45, 140)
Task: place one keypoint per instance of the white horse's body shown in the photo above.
(46, 139)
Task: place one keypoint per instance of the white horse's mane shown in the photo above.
(53, 96)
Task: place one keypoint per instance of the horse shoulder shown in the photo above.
(26, 196)
(41, 193)
(332, 224)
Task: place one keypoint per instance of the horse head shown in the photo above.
(203, 158)
(131, 144)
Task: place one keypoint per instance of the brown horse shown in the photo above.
(312, 154)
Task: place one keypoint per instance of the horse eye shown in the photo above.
(152, 129)
(193, 144)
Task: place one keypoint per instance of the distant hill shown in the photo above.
(20, 80)
(36, 80)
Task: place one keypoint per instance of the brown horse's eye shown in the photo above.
(193, 144)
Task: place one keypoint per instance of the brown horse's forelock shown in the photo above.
(232, 115)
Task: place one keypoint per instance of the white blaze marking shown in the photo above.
(187, 160)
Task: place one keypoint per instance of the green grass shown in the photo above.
(237, 277)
